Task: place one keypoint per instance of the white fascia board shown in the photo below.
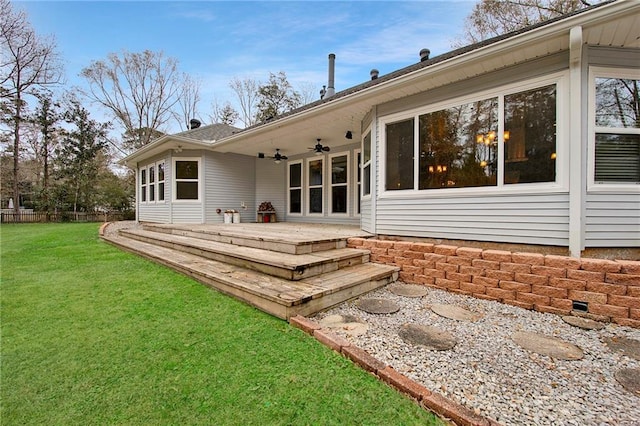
(164, 143)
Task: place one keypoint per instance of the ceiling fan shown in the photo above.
(277, 157)
(319, 148)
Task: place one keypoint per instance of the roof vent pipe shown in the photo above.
(424, 54)
(194, 123)
(374, 74)
(331, 89)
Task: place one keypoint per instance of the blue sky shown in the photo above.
(215, 41)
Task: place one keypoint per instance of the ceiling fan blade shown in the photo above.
(326, 148)
(284, 157)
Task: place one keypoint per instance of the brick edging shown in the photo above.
(433, 401)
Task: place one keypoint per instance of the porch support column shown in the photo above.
(137, 192)
(373, 180)
(577, 184)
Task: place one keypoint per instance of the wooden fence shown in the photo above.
(34, 217)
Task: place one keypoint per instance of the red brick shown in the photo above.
(304, 324)
(599, 287)
(331, 340)
(457, 276)
(413, 254)
(406, 277)
(536, 299)
(528, 258)
(384, 244)
(633, 291)
(473, 253)
(444, 283)
(585, 275)
(485, 297)
(363, 359)
(461, 261)
(549, 271)
(532, 279)
(500, 275)
(627, 322)
(435, 258)
(459, 414)
(434, 273)
(369, 243)
(497, 255)
(472, 288)
(378, 251)
(486, 264)
(545, 290)
(562, 262)
(445, 250)
(403, 383)
(442, 266)
(629, 267)
(486, 282)
(600, 265)
(423, 279)
(609, 310)
(561, 303)
(422, 247)
(634, 314)
(627, 301)
(500, 293)
(587, 296)
(472, 270)
(515, 286)
(412, 269)
(627, 279)
(355, 242)
(519, 304)
(551, 310)
(402, 245)
(515, 267)
(568, 284)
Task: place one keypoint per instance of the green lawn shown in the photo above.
(93, 335)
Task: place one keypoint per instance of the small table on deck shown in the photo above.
(266, 216)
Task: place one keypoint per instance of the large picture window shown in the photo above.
(508, 138)
(295, 188)
(617, 128)
(187, 179)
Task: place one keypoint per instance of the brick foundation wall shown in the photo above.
(545, 283)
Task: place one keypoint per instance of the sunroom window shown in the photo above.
(366, 164)
(617, 130)
(187, 179)
(339, 183)
(160, 181)
(143, 185)
(399, 155)
(152, 183)
(295, 188)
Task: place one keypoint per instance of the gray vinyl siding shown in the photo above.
(229, 181)
(612, 220)
(366, 222)
(158, 212)
(271, 185)
(529, 219)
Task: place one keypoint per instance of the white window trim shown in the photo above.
(357, 184)
(174, 180)
(364, 196)
(156, 184)
(163, 181)
(331, 184)
(321, 186)
(592, 185)
(302, 197)
(143, 186)
(560, 79)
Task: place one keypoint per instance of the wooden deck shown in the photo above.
(283, 269)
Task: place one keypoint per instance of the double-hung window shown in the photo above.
(339, 183)
(616, 123)
(152, 183)
(187, 179)
(143, 185)
(295, 187)
(160, 181)
(315, 175)
(366, 164)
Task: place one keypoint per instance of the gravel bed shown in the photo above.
(488, 373)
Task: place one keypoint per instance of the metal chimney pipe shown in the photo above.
(331, 89)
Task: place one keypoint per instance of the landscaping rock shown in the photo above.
(549, 346)
(408, 290)
(378, 306)
(628, 347)
(629, 378)
(349, 324)
(455, 312)
(584, 323)
(430, 337)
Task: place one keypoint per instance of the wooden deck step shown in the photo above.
(282, 237)
(276, 296)
(283, 265)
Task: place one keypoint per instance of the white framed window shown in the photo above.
(152, 183)
(160, 168)
(143, 185)
(186, 179)
(315, 186)
(501, 139)
(614, 128)
(339, 183)
(294, 182)
(357, 177)
(365, 164)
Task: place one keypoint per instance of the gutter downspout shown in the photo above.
(576, 182)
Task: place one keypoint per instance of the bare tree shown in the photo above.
(225, 114)
(188, 101)
(140, 90)
(491, 18)
(27, 63)
(246, 91)
(308, 91)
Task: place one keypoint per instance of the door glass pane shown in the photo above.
(339, 171)
(339, 199)
(315, 172)
(399, 156)
(315, 200)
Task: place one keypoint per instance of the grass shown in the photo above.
(92, 335)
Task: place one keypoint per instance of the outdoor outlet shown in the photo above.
(243, 205)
